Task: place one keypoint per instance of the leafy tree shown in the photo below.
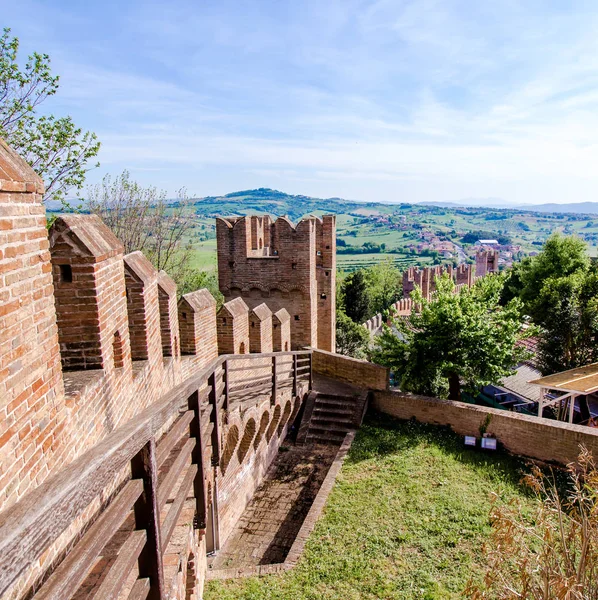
(569, 317)
(454, 338)
(560, 257)
(559, 289)
(352, 339)
(55, 147)
(195, 280)
(142, 219)
(384, 285)
(355, 292)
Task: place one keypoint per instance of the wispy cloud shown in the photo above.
(399, 100)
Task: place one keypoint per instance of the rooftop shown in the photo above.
(581, 380)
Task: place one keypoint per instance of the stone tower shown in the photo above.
(486, 261)
(285, 266)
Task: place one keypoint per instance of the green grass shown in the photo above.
(406, 519)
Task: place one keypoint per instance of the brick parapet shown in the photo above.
(542, 439)
(296, 271)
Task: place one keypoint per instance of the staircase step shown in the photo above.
(325, 421)
(333, 404)
(330, 427)
(325, 439)
(337, 397)
(326, 410)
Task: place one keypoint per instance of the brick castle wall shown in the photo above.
(542, 439)
(352, 370)
(285, 267)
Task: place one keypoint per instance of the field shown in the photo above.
(406, 520)
(371, 232)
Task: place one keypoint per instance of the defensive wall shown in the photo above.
(95, 344)
(464, 275)
(283, 266)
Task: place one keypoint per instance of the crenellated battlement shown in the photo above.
(283, 266)
(486, 262)
(92, 339)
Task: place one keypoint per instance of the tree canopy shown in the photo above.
(559, 291)
(454, 339)
(55, 147)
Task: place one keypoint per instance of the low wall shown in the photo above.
(359, 372)
(542, 439)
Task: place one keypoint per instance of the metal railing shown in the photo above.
(183, 455)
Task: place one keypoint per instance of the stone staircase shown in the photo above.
(331, 411)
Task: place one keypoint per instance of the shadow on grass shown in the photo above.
(382, 435)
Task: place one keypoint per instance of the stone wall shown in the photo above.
(541, 439)
(362, 373)
(286, 267)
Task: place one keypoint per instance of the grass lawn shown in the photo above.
(406, 519)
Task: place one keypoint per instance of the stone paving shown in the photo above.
(268, 527)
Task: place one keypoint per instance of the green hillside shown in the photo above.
(391, 231)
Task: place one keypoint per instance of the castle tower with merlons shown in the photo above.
(283, 266)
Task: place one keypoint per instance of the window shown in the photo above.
(327, 273)
(323, 296)
(184, 316)
(66, 273)
(296, 317)
(294, 265)
(224, 320)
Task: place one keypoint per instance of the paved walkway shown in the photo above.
(267, 529)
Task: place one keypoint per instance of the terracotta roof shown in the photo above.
(262, 312)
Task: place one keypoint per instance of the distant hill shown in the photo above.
(275, 202)
(584, 208)
(266, 200)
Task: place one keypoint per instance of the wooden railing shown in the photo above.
(133, 458)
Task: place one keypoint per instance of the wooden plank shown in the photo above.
(174, 512)
(173, 437)
(198, 457)
(140, 589)
(243, 383)
(215, 418)
(121, 568)
(147, 517)
(30, 526)
(274, 381)
(174, 472)
(225, 380)
(295, 372)
(73, 570)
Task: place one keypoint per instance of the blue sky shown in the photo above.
(382, 100)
